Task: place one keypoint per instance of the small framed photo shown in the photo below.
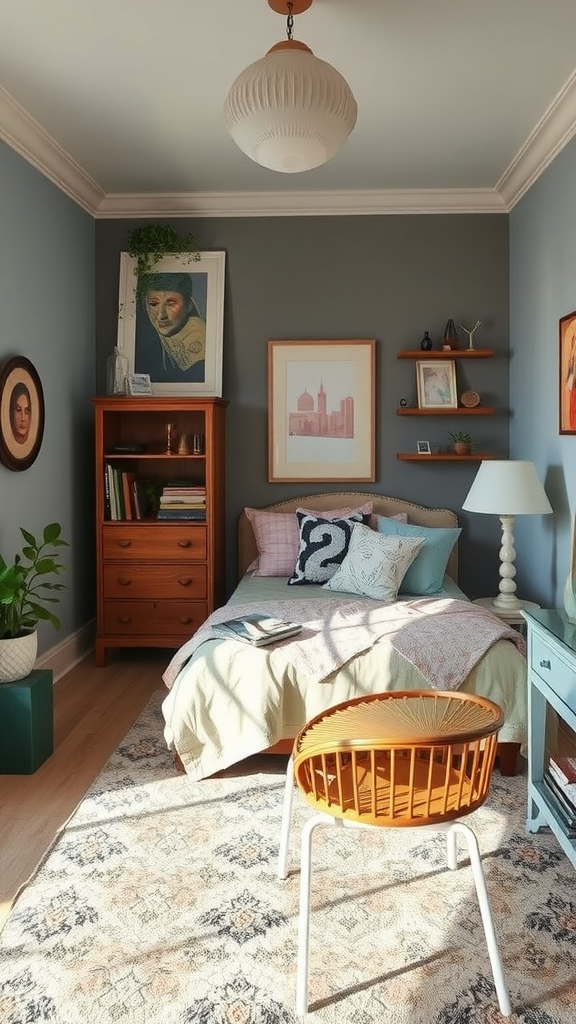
(436, 384)
(21, 413)
(423, 447)
(139, 384)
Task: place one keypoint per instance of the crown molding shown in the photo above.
(334, 203)
(23, 134)
(546, 140)
(554, 130)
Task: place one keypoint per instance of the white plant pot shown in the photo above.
(18, 657)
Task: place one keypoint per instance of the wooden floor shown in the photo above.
(93, 710)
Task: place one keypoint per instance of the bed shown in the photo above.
(227, 701)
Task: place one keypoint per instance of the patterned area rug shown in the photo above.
(159, 904)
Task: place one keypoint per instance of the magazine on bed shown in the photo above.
(256, 629)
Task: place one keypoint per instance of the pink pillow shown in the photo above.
(278, 539)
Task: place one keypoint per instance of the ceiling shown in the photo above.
(461, 103)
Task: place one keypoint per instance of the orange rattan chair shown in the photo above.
(403, 759)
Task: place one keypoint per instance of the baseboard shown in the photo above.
(65, 655)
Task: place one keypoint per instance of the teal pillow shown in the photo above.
(426, 574)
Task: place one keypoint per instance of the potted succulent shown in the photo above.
(25, 590)
(462, 442)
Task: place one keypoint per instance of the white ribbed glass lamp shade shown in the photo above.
(290, 111)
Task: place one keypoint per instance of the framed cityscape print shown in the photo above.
(567, 373)
(21, 413)
(321, 410)
(171, 327)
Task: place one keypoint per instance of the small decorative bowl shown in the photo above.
(470, 399)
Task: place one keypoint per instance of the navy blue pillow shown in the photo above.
(323, 546)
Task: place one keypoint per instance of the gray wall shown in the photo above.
(543, 289)
(47, 302)
(389, 278)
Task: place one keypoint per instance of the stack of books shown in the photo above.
(560, 782)
(181, 500)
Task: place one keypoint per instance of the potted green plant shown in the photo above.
(25, 590)
(149, 243)
(462, 442)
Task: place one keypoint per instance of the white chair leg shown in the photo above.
(282, 869)
(304, 913)
(451, 849)
(482, 893)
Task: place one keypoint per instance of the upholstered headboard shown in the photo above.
(382, 506)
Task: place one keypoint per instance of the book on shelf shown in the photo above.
(564, 768)
(566, 818)
(198, 514)
(258, 629)
(568, 804)
(127, 494)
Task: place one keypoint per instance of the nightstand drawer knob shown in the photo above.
(545, 664)
(185, 543)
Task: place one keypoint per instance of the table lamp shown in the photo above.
(507, 488)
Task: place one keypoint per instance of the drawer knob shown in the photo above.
(124, 582)
(185, 543)
(124, 543)
(185, 620)
(124, 619)
(545, 664)
(185, 582)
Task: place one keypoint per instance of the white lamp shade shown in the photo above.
(507, 488)
(290, 111)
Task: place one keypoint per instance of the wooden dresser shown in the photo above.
(157, 580)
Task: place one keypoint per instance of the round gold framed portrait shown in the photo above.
(21, 413)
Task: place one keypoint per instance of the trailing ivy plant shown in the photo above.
(149, 243)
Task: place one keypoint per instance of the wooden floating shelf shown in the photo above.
(478, 410)
(453, 353)
(448, 457)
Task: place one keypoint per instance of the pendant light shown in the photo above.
(290, 111)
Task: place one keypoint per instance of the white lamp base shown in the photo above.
(511, 615)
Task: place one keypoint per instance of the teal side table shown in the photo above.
(26, 723)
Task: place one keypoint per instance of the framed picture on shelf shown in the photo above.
(423, 448)
(321, 410)
(173, 329)
(21, 413)
(436, 384)
(567, 373)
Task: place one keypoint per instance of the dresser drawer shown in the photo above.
(138, 618)
(132, 581)
(550, 666)
(166, 542)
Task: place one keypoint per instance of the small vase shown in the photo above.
(426, 343)
(116, 373)
(450, 339)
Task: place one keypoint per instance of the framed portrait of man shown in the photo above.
(21, 413)
(170, 322)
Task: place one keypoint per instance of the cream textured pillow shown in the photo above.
(372, 568)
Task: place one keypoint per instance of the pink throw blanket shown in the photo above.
(443, 638)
